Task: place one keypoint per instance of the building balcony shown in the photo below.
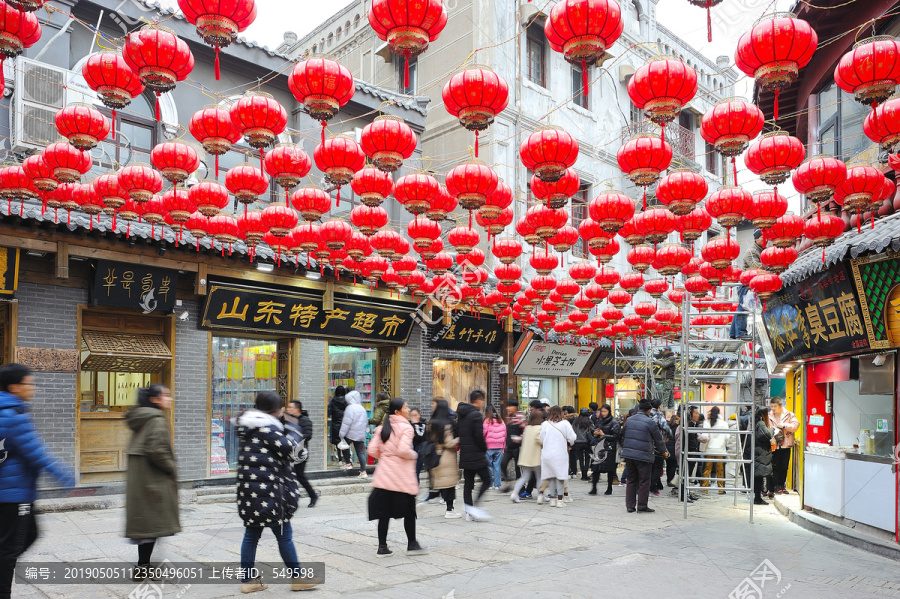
(680, 138)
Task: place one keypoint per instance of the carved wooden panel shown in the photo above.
(43, 359)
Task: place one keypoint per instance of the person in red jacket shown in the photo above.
(495, 437)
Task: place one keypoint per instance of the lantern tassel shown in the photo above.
(22, 210)
(2, 76)
(645, 198)
(709, 22)
(584, 78)
(56, 216)
(91, 219)
(217, 166)
(156, 108)
(218, 73)
(287, 197)
(113, 128)
(323, 131)
(198, 245)
(68, 217)
(734, 168)
(476, 143)
(128, 231)
(338, 201)
(406, 72)
(818, 210)
(823, 254)
(262, 165)
(470, 219)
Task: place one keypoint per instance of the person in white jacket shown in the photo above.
(353, 429)
(557, 435)
(716, 449)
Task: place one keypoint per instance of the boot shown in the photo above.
(593, 490)
(254, 585)
(301, 584)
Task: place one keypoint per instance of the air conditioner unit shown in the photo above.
(40, 91)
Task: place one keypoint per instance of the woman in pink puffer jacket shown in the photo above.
(495, 437)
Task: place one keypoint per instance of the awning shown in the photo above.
(123, 352)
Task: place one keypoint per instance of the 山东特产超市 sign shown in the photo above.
(235, 308)
(552, 359)
(134, 286)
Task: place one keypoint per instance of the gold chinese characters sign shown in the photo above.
(247, 309)
(820, 316)
(134, 286)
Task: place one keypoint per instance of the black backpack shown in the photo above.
(428, 453)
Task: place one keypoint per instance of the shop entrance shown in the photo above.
(455, 379)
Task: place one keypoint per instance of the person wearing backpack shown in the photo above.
(296, 415)
(583, 428)
(443, 471)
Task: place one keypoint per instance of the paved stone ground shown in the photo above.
(591, 548)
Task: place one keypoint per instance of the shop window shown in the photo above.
(635, 114)
(241, 369)
(455, 379)
(536, 48)
(354, 369)
(712, 162)
(537, 388)
(136, 134)
(863, 420)
(578, 95)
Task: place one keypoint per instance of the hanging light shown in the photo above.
(339, 158)
(208, 197)
(416, 192)
(218, 22)
(372, 185)
(475, 97)
(661, 88)
(729, 126)
(174, 160)
(681, 190)
(287, 164)
(159, 57)
(549, 151)
(322, 85)
(556, 194)
(871, 71)
(83, 125)
(18, 30)
(407, 27)
(213, 128)
(388, 141)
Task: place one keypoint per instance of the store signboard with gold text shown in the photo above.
(134, 286)
(248, 309)
(468, 333)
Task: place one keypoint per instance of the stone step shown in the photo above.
(347, 488)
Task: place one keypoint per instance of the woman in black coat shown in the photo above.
(762, 454)
(605, 444)
(336, 408)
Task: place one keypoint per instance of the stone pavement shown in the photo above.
(591, 548)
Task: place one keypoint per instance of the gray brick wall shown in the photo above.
(311, 391)
(411, 388)
(191, 395)
(48, 317)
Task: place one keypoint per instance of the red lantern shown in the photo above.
(691, 226)
(546, 222)
(113, 80)
(495, 225)
(641, 257)
(632, 282)
(564, 240)
(776, 259)
(38, 171)
(176, 203)
(543, 263)
(497, 202)
(611, 209)
(662, 88)
(213, 128)
(209, 197)
(140, 182)
(747, 275)
(407, 27)
(765, 285)
(590, 231)
(475, 97)
(582, 30)
(670, 259)
(112, 195)
(645, 310)
(676, 296)
(339, 157)
(506, 251)
(368, 219)
(822, 230)
(218, 22)
(372, 186)
(67, 162)
(567, 288)
(697, 285)
(655, 225)
(252, 229)
(287, 164)
(259, 118)
(507, 273)
(595, 293)
(471, 183)
(82, 125)
(582, 272)
(863, 185)
(423, 232)
(606, 253)
(388, 141)
(224, 229)
(463, 239)
(556, 193)
(882, 125)
(786, 231)
(774, 156)
(729, 205)
(305, 239)
(730, 126)
(775, 50)
(159, 57)
(548, 152)
(612, 315)
(509, 290)
(768, 207)
(279, 220)
(871, 71)
(720, 252)
(336, 233)
(197, 225)
(416, 192)
(174, 160)
(15, 184)
(607, 278)
(358, 246)
(642, 158)
(441, 263)
(18, 30)
(323, 86)
(681, 190)
(630, 232)
(247, 183)
(656, 288)
(692, 267)
(543, 285)
(619, 298)
(442, 205)
(818, 177)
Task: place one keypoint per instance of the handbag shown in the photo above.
(568, 447)
(343, 444)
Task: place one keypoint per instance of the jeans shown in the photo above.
(637, 487)
(7, 573)
(360, 447)
(493, 458)
(739, 324)
(527, 472)
(469, 484)
(283, 533)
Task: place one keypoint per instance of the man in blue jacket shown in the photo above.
(22, 458)
(641, 439)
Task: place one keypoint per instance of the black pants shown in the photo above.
(686, 476)
(595, 478)
(18, 530)
(671, 468)
(7, 571)
(409, 524)
(656, 474)
(300, 473)
(509, 455)
(449, 496)
(757, 488)
(781, 459)
(469, 485)
(582, 456)
(637, 487)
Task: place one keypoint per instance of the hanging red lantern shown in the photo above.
(509, 290)
(153, 212)
(113, 80)
(774, 156)
(224, 229)
(611, 209)
(323, 86)
(766, 285)
(372, 186)
(107, 188)
(463, 239)
(692, 267)
(441, 263)
(247, 183)
(721, 252)
(595, 293)
(556, 193)
(871, 71)
(159, 57)
(543, 285)
(645, 310)
(656, 288)
(607, 278)
(582, 30)
(279, 220)
(475, 97)
(407, 27)
(83, 125)
(423, 232)
(416, 192)
(388, 141)
(18, 30)
(209, 197)
(661, 88)
(697, 285)
(174, 160)
(497, 202)
(786, 231)
(197, 225)
(882, 125)
(375, 266)
(778, 259)
(577, 318)
(619, 298)
(358, 246)
(368, 219)
(546, 221)
(442, 205)
(612, 316)
(729, 205)
(775, 50)
(681, 190)
(818, 177)
(691, 226)
(15, 184)
(549, 151)
(670, 259)
(67, 162)
(598, 323)
(140, 182)
(218, 22)
(676, 296)
(287, 164)
(543, 262)
(747, 275)
(713, 275)
(641, 257)
(582, 272)
(768, 207)
(567, 289)
(632, 282)
(339, 157)
(606, 253)
(630, 232)
(305, 239)
(822, 230)
(655, 225)
(259, 118)
(590, 231)
(506, 251)
(470, 184)
(730, 126)
(39, 172)
(507, 273)
(643, 157)
(176, 203)
(415, 281)
(861, 187)
(253, 229)
(336, 233)
(564, 240)
(495, 225)
(404, 265)
(213, 128)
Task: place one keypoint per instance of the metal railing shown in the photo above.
(680, 138)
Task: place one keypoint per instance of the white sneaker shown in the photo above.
(514, 498)
(553, 502)
(568, 499)
(479, 514)
(469, 517)
(363, 474)
(452, 515)
(560, 503)
(346, 466)
(540, 499)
